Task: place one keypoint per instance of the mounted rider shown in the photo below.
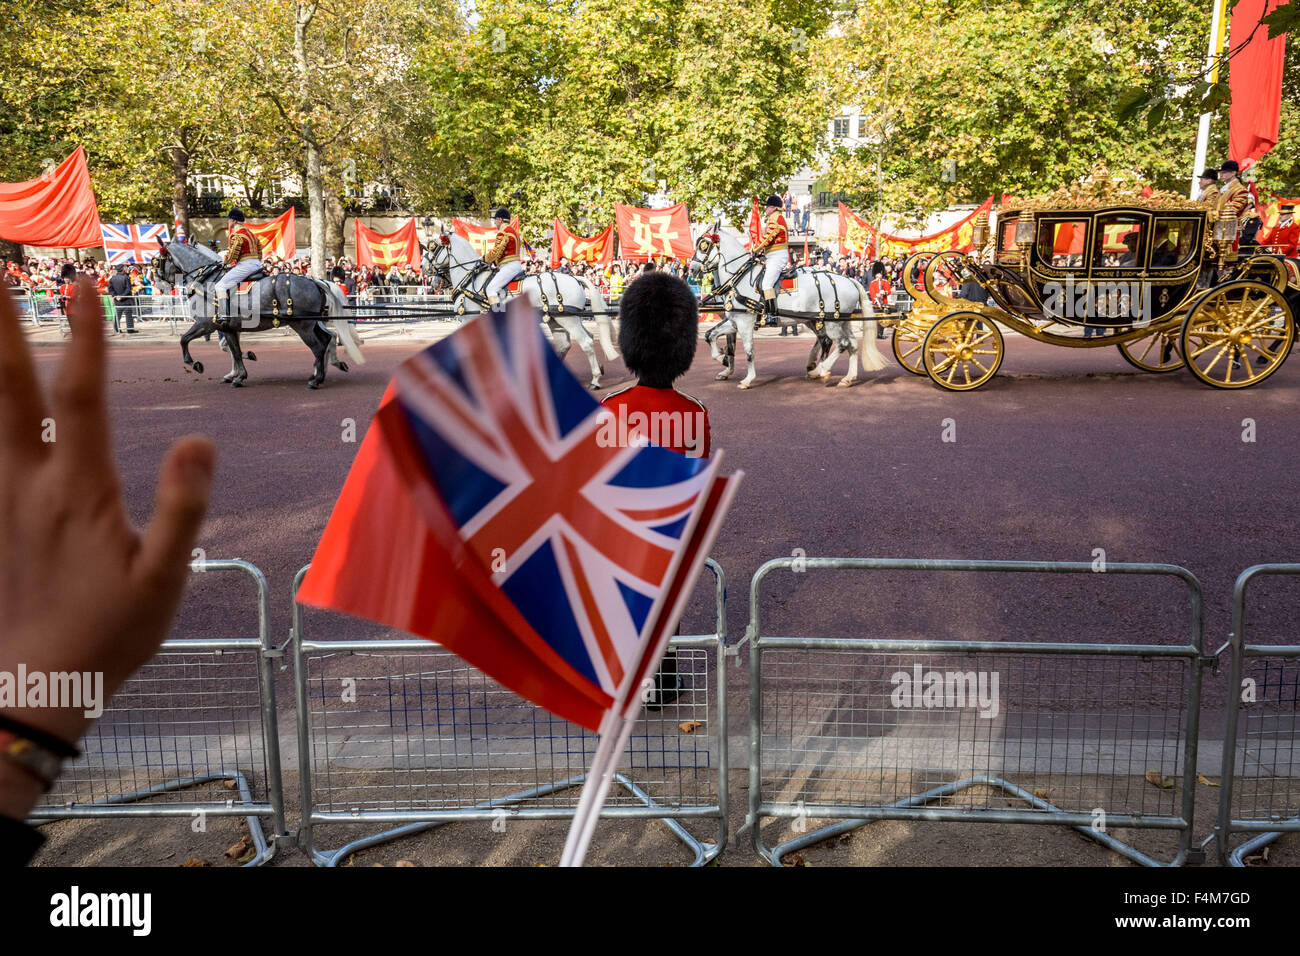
(505, 256)
(775, 243)
(243, 257)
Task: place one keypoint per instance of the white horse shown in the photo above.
(562, 298)
(822, 300)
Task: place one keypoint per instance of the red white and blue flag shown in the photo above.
(488, 510)
(179, 229)
(132, 243)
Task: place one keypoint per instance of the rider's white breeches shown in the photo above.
(777, 262)
(504, 276)
(237, 274)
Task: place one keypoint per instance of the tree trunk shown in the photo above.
(180, 184)
(316, 205)
(334, 216)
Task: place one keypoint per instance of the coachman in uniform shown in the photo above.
(1209, 183)
(775, 243)
(505, 256)
(1234, 198)
(243, 256)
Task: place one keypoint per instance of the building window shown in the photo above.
(862, 127)
(841, 130)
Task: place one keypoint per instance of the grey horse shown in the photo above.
(300, 302)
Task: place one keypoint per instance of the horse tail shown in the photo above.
(338, 310)
(872, 358)
(604, 327)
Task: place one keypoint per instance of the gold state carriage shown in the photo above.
(1100, 264)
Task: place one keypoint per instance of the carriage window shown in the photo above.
(1171, 242)
(1008, 227)
(1119, 242)
(1060, 244)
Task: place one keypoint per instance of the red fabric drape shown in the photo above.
(55, 209)
(1255, 79)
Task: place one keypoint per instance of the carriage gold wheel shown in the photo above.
(1237, 335)
(1154, 353)
(906, 343)
(962, 351)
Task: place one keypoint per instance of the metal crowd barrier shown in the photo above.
(402, 732)
(828, 739)
(192, 733)
(1260, 783)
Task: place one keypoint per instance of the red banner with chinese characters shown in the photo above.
(278, 237)
(386, 250)
(654, 233)
(856, 233)
(597, 248)
(482, 238)
(56, 208)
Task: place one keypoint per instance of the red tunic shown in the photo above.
(507, 245)
(672, 419)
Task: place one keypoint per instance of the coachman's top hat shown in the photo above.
(1230, 167)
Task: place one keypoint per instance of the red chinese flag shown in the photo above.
(386, 250)
(278, 236)
(654, 233)
(598, 248)
(56, 208)
(1255, 79)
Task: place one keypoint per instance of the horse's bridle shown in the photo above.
(461, 287)
(707, 243)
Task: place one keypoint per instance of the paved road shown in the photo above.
(1066, 452)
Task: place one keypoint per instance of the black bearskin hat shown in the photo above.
(658, 328)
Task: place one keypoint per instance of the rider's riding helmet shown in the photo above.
(236, 214)
(774, 201)
(501, 212)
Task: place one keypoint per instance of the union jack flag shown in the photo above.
(581, 532)
(129, 243)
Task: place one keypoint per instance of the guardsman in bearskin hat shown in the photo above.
(243, 256)
(775, 243)
(1209, 186)
(505, 256)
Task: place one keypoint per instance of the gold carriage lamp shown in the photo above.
(1225, 234)
(1025, 231)
(980, 231)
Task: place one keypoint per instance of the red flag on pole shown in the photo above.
(755, 226)
(56, 208)
(645, 233)
(597, 248)
(278, 236)
(1255, 79)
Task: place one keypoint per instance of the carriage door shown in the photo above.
(1120, 297)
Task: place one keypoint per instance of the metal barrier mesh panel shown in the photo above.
(424, 731)
(843, 729)
(183, 714)
(1267, 768)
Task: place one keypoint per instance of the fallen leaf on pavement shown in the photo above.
(239, 849)
(689, 726)
(1202, 778)
(1158, 779)
(195, 861)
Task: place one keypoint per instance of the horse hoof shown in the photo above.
(249, 356)
(236, 384)
(745, 385)
(594, 386)
(846, 383)
(313, 385)
(722, 376)
(341, 366)
(198, 367)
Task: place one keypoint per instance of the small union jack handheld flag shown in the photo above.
(493, 508)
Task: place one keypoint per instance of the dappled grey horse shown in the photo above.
(300, 302)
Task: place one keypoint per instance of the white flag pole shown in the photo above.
(1212, 66)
